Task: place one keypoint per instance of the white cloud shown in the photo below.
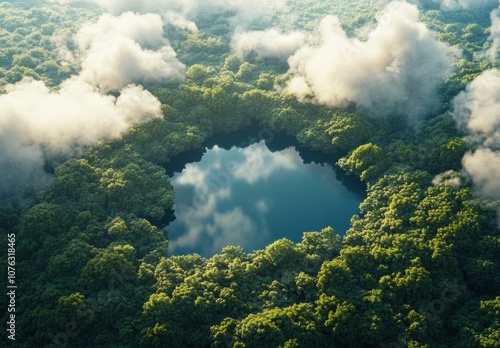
(177, 20)
(36, 124)
(448, 178)
(477, 113)
(477, 109)
(244, 11)
(267, 43)
(397, 69)
(484, 168)
(117, 51)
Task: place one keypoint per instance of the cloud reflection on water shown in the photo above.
(260, 163)
(243, 196)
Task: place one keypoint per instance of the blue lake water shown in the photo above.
(251, 196)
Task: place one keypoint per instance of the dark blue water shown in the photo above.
(251, 197)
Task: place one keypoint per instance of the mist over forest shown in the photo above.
(99, 99)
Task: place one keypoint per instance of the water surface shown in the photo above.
(250, 196)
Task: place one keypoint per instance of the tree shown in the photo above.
(247, 72)
(110, 269)
(199, 73)
(43, 220)
(232, 63)
(340, 320)
(25, 60)
(265, 82)
(144, 190)
(491, 335)
(367, 161)
(348, 129)
(72, 309)
(9, 218)
(319, 247)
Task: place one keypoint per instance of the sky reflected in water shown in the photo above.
(251, 197)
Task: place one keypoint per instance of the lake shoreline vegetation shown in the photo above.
(419, 266)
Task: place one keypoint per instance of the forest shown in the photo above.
(98, 97)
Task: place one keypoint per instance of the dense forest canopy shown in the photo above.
(98, 97)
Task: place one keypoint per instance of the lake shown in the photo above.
(253, 194)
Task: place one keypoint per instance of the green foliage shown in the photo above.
(142, 191)
(338, 131)
(265, 82)
(247, 72)
(201, 47)
(419, 266)
(8, 218)
(198, 73)
(109, 268)
(26, 44)
(232, 63)
(367, 162)
(43, 220)
(491, 335)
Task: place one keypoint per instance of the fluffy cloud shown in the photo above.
(177, 20)
(477, 109)
(37, 124)
(448, 178)
(477, 113)
(117, 51)
(245, 12)
(484, 168)
(396, 69)
(267, 43)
